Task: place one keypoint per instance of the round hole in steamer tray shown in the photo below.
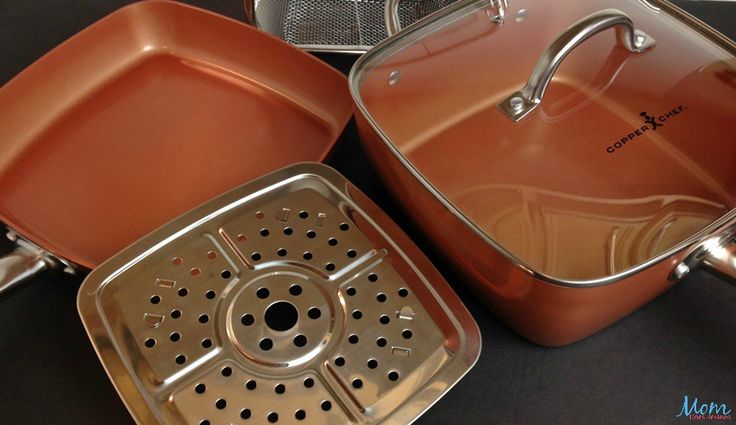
(332, 242)
(403, 292)
(175, 337)
(353, 339)
(407, 334)
(288, 231)
(245, 414)
(182, 292)
(203, 318)
(279, 389)
(155, 299)
(326, 405)
(300, 414)
(226, 371)
(251, 385)
(357, 383)
(351, 291)
(266, 344)
(281, 252)
(247, 319)
(204, 422)
(314, 313)
(263, 293)
(307, 256)
(372, 277)
(303, 214)
(351, 253)
(273, 417)
(206, 343)
(381, 297)
(357, 314)
(330, 267)
(175, 314)
(264, 232)
(281, 316)
(200, 388)
(221, 403)
(226, 274)
(210, 295)
(311, 234)
(295, 290)
(255, 256)
(344, 226)
(381, 342)
(372, 363)
(384, 319)
(339, 361)
(180, 359)
(393, 375)
(150, 343)
(309, 383)
(300, 340)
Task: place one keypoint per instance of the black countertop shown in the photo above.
(636, 371)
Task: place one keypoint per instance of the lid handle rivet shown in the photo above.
(516, 103)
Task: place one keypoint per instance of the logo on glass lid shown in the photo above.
(651, 123)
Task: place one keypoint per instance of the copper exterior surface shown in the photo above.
(552, 217)
(291, 299)
(149, 112)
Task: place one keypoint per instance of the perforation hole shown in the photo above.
(329, 267)
(180, 359)
(210, 295)
(309, 383)
(288, 231)
(393, 375)
(175, 337)
(303, 214)
(247, 319)
(357, 383)
(357, 314)
(381, 342)
(245, 414)
(226, 371)
(200, 388)
(403, 292)
(221, 403)
(203, 318)
(307, 256)
(155, 299)
(300, 340)
(150, 343)
(226, 274)
(311, 234)
(266, 344)
(344, 226)
(384, 319)
(175, 314)
(300, 415)
(407, 334)
(295, 290)
(251, 385)
(281, 252)
(351, 291)
(206, 343)
(372, 277)
(372, 364)
(381, 297)
(332, 242)
(255, 256)
(351, 253)
(279, 389)
(353, 339)
(314, 313)
(263, 293)
(273, 417)
(264, 232)
(339, 361)
(326, 405)
(204, 422)
(182, 292)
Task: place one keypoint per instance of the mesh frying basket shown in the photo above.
(291, 299)
(348, 26)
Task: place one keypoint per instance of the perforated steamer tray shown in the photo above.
(292, 299)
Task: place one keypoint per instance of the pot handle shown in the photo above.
(716, 255)
(722, 261)
(19, 266)
(522, 102)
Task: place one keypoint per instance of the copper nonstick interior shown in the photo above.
(147, 113)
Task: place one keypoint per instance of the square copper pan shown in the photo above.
(149, 112)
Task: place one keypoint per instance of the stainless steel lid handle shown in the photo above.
(722, 261)
(522, 102)
(391, 12)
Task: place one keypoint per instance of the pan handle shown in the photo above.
(250, 11)
(522, 102)
(26, 261)
(716, 255)
(722, 261)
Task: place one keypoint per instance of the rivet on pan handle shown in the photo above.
(522, 102)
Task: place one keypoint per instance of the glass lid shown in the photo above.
(583, 140)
